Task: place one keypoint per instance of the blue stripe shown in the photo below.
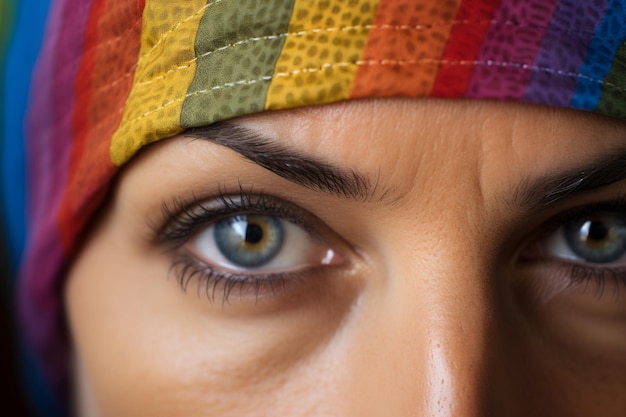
(20, 59)
(22, 52)
(599, 60)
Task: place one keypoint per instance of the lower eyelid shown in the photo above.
(188, 270)
(547, 278)
(220, 286)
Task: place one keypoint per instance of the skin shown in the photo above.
(437, 302)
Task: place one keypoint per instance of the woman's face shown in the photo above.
(393, 257)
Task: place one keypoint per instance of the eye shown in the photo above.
(570, 284)
(254, 242)
(584, 254)
(598, 238)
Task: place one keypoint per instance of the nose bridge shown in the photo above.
(444, 312)
(452, 369)
(455, 324)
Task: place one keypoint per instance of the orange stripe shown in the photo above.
(404, 48)
(102, 86)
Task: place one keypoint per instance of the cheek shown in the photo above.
(148, 348)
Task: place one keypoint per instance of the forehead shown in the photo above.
(412, 122)
(408, 141)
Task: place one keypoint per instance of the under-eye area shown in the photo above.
(571, 283)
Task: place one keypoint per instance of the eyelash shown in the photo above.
(583, 274)
(184, 220)
(578, 273)
(187, 268)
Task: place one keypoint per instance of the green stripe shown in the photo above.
(613, 99)
(7, 13)
(237, 45)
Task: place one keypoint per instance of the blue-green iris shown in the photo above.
(249, 240)
(597, 239)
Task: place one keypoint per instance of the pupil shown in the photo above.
(597, 231)
(254, 234)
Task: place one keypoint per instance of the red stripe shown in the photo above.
(466, 39)
(83, 89)
(103, 83)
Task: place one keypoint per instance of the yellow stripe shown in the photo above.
(318, 62)
(165, 69)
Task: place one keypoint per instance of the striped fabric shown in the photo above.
(116, 75)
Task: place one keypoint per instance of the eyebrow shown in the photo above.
(319, 175)
(304, 170)
(552, 189)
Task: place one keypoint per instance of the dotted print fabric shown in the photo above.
(512, 47)
(104, 81)
(235, 67)
(318, 62)
(165, 69)
(404, 49)
(565, 44)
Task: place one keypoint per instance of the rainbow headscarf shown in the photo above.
(115, 75)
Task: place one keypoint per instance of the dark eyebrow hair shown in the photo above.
(292, 165)
(553, 188)
(319, 175)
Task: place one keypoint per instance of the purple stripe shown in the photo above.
(563, 51)
(49, 145)
(39, 309)
(510, 49)
(50, 118)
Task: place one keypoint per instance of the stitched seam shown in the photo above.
(381, 63)
(107, 87)
(179, 24)
(400, 27)
(83, 53)
(134, 26)
(119, 37)
(493, 22)
(127, 74)
(187, 64)
(346, 28)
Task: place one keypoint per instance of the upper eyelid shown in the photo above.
(534, 230)
(616, 205)
(180, 219)
(557, 222)
(559, 214)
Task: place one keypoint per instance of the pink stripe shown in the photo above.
(510, 49)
